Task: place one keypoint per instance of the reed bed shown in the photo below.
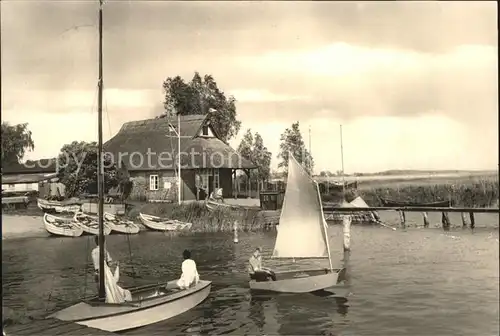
(473, 192)
(220, 220)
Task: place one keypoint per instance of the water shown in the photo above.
(414, 282)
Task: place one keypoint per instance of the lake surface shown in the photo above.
(414, 282)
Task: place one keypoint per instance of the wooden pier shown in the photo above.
(53, 327)
(445, 220)
(412, 209)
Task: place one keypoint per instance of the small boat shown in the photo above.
(89, 224)
(121, 226)
(362, 217)
(70, 205)
(150, 304)
(163, 224)
(302, 234)
(390, 203)
(214, 202)
(15, 201)
(59, 226)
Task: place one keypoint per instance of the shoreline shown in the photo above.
(22, 226)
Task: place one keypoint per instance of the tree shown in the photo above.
(292, 141)
(78, 162)
(16, 140)
(200, 96)
(252, 148)
(262, 158)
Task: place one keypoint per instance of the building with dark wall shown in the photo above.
(147, 150)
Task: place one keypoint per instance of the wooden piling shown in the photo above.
(445, 220)
(426, 219)
(472, 220)
(235, 230)
(346, 228)
(464, 220)
(402, 217)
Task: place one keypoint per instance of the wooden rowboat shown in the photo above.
(163, 224)
(89, 224)
(120, 226)
(390, 203)
(61, 226)
(302, 234)
(150, 304)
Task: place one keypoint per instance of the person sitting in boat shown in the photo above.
(95, 259)
(190, 274)
(255, 269)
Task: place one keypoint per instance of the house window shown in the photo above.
(205, 130)
(154, 182)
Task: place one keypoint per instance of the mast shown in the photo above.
(310, 153)
(100, 175)
(342, 161)
(179, 180)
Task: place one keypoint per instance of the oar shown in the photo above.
(387, 226)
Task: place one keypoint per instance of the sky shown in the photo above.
(414, 84)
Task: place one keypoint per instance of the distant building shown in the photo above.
(37, 175)
(207, 162)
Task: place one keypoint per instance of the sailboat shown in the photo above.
(302, 234)
(115, 308)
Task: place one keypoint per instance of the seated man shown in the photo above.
(255, 269)
(190, 274)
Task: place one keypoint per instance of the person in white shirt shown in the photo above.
(255, 269)
(190, 274)
(95, 259)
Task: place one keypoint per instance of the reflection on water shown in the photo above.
(414, 282)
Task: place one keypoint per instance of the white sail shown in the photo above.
(114, 293)
(358, 202)
(302, 224)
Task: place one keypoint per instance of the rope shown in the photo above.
(86, 268)
(49, 298)
(134, 274)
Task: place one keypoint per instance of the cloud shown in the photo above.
(352, 81)
(263, 96)
(399, 63)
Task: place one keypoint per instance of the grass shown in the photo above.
(220, 220)
(464, 191)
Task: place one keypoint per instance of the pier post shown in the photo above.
(464, 220)
(402, 217)
(346, 228)
(472, 220)
(426, 219)
(445, 220)
(235, 230)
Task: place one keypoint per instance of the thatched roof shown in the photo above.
(138, 138)
(27, 178)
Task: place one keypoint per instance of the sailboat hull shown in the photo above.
(147, 308)
(300, 281)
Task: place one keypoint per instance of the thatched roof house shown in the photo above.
(147, 149)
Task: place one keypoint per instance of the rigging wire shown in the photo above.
(86, 268)
(134, 273)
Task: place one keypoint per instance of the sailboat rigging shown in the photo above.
(146, 304)
(302, 235)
